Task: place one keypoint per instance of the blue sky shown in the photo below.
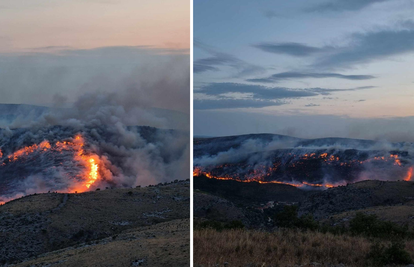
(305, 68)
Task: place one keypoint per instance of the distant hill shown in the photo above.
(249, 193)
(11, 112)
(214, 145)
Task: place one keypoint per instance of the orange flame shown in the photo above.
(43, 146)
(198, 172)
(259, 175)
(409, 174)
(90, 162)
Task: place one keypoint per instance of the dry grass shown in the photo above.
(281, 248)
(164, 244)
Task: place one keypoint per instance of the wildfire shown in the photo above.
(89, 161)
(260, 174)
(198, 172)
(43, 146)
(93, 174)
(409, 174)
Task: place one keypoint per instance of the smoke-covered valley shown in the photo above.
(304, 163)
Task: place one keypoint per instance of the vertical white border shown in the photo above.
(191, 138)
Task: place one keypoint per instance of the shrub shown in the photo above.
(395, 253)
(371, 226)
(288, 218)
(211, 225)
(234, 225)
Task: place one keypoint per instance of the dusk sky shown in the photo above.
(304, 68)
(54, 51)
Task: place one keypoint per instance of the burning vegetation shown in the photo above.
(68, 160)
(87, 163)
(303, 164)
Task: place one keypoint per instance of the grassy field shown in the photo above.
(281, 248)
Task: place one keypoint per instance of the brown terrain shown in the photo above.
(262, 243)
(146, 226)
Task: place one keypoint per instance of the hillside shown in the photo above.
(390, 201)
(78, 225)
(249, 192)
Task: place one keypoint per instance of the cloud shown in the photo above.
(312, 105)
(218, 59)
(235, 95)
(327, 91)
(270, 14)
(293, 49)
(197, 68)
(361, 48)
(369, 46)
(341, 5)
(234, 103)
(298, 75)
(261, 92)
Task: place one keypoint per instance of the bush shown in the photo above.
(234, 225)
(211, 225)
(288, 218)
(395, 253)
(371, 226)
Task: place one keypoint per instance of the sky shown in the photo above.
(308, 68)
(53, 52)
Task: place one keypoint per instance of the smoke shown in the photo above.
(326, 161)
(134, 127)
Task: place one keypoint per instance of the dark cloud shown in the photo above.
(270, 14)
(255, 96)
(327, 91)
(293, 49)
(362, 48)
(312, 105)
(197, 68)
(258, 92)
(369, 46)
(343, 5)
(222, 59)
(298, 75)
(234, 103)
